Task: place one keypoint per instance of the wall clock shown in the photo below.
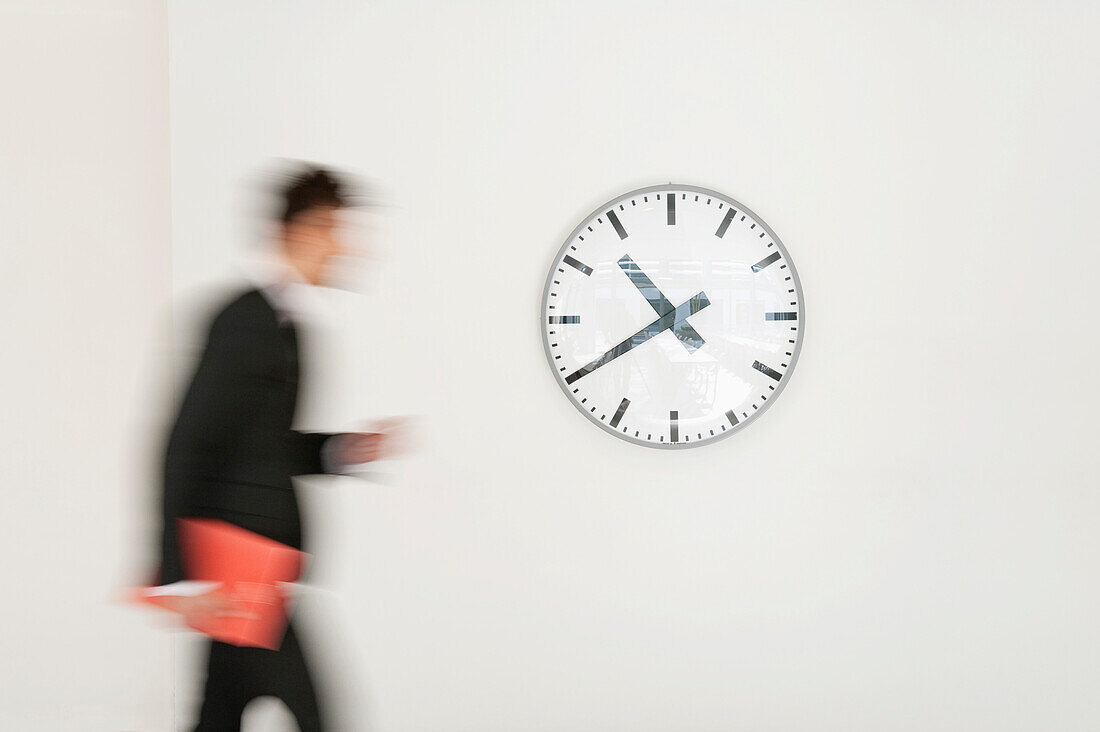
(672, 316)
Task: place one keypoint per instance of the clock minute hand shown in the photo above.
(658, 326)
(687, 335)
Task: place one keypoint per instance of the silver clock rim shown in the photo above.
(786, 374)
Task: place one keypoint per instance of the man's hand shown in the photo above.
(197, 608)
(386, 438)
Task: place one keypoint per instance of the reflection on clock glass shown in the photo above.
(672, 316)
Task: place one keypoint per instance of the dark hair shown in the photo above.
(311, 188)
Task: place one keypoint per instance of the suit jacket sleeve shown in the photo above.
(310, 453)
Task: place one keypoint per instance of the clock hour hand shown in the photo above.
(660, 325)
(687, 335)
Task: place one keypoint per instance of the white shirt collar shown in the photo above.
(284, 287)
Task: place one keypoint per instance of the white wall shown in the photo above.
(905, 541)
(84, 284)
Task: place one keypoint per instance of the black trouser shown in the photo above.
(236, 675)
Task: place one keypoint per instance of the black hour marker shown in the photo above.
(671, 199)
(770, 259)
(674, 426)
(619, 412)
(614, 219)
(584, 268)
(564, 319)
(725, 224)
(731, 417)
(781, 316)
(766, 370)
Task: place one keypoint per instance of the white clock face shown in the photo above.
(672, 316)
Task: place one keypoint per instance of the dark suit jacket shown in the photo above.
(231, 452)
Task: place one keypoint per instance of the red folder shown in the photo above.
(251, 569)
